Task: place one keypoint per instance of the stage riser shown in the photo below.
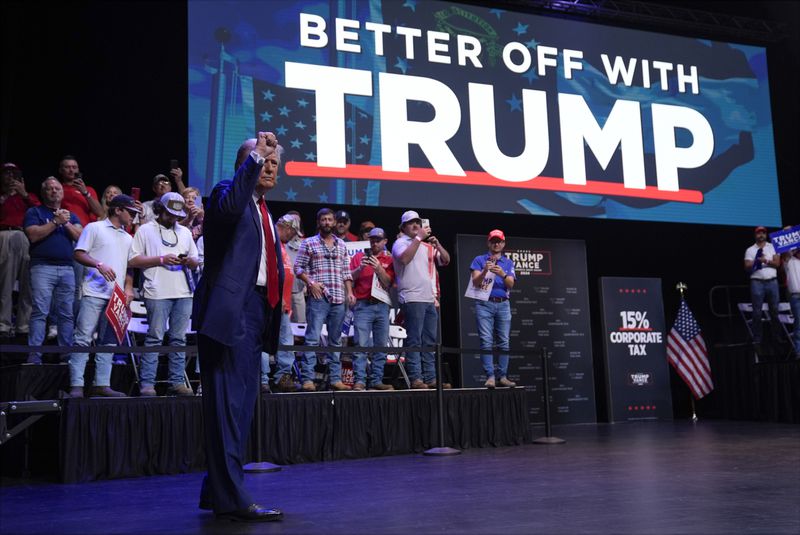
(107, 439)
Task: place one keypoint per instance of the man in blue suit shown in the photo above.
(236, 314)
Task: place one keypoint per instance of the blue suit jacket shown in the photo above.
(233, 248)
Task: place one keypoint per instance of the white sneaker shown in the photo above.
(52, 332)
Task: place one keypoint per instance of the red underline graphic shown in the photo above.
(480, 178)
(635, 329)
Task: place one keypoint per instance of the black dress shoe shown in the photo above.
(254, 513)
(205, 505)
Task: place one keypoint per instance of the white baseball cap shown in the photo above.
(410, 215)
(173, 203)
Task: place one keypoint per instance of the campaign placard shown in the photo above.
(786, 240)
(635, 336)
(549, 309)
(118, 313)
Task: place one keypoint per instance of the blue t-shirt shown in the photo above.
(56, 248)
(499, 286)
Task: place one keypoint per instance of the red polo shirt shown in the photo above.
(13, 208)
(362, 286)
(75, 202)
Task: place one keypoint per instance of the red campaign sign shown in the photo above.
(117, 312)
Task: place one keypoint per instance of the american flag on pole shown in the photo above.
(686, 351)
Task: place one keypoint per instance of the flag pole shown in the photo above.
(681, 287)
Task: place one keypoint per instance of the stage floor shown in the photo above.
(665, 477)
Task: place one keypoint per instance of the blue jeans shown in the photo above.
(319, 312)
(283, 359)
(160, 313)
(421, 327)
(51, 285)
(794, 302)
(79, 271)
(761, 290)
(91, 316)
(370, 318)
(494, 326)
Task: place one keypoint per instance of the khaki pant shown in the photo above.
(14, 266)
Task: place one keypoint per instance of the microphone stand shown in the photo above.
(547, 438)
(441, 450)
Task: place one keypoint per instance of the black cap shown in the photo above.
(341, 214)
(124, 201)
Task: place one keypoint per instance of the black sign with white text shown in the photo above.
(635, 338)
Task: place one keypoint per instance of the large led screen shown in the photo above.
(443, 105)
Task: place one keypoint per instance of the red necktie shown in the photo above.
(272, 259)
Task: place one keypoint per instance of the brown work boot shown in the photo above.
(285, 384)
(359, 386)
(445, 386)
(76, 392)
(381, 386)
(147, 391)
(504, 381)
(105, 392)
(308, 386)
(418, 384)
(489, 383)
(179, 390)
(340, 386)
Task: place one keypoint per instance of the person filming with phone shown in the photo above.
(416, 254)
(163, 184)
(371, 313)
(167, 254)
(79, 198)
(14, 250)
(494, 314)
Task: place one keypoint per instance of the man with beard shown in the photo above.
(324, 266)
(166, 253)
(761, 262)
(236, 315)
(103, 247)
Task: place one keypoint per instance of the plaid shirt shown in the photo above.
(331, 267)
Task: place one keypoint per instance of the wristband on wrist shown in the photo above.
(161, 260)
(85, 194)
(418, 239)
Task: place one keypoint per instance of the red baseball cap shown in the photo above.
(761, 229)
(497, 234)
